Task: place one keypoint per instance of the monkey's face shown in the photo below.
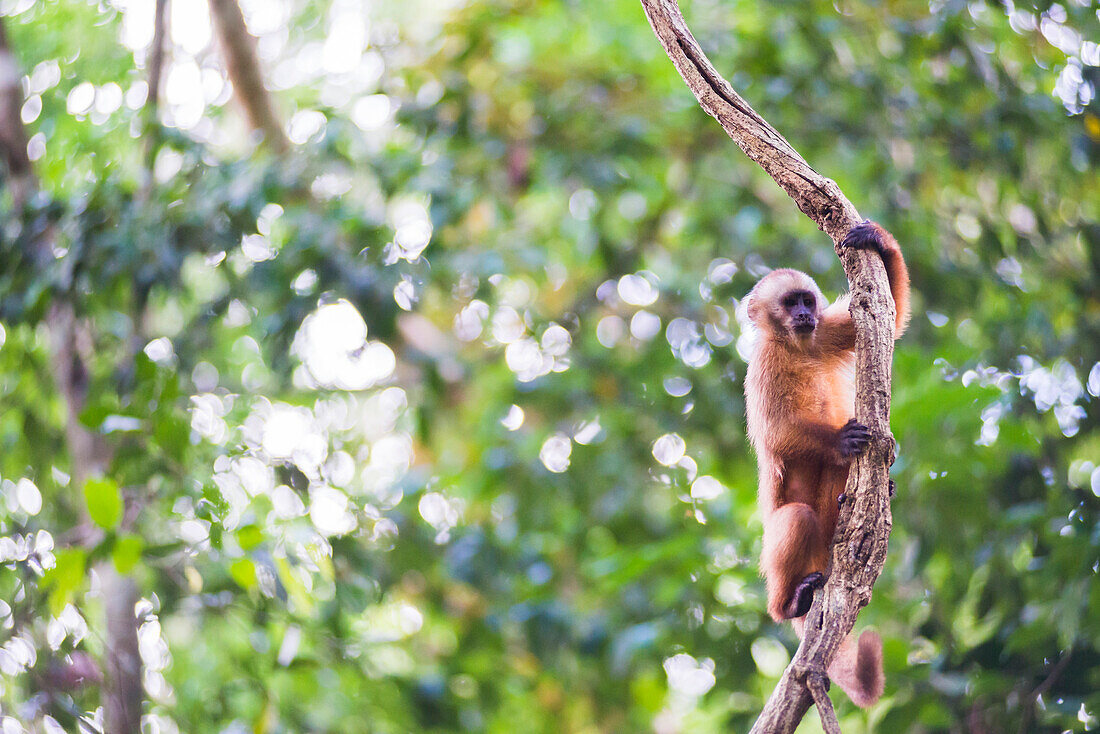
(799, 312)
(787, 305)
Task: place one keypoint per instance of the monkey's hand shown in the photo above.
(852, 439)
(867, 235)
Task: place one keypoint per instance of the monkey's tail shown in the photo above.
(857, 667)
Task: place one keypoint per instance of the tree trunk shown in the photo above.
(863, 528)
(88, 453)
(239, 47)
(122, 704)
(13, 137)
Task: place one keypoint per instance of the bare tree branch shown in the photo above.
(239, 47)
(156, 56)
(1028, 708)
(816, 684)
(152, 100)
(863, 528)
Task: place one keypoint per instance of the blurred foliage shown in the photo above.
(436, 424)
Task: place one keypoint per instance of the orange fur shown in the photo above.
(800, 396)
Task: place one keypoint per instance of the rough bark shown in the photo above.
(816, 684)
(863, 528)
(243, 67)
(88, 453)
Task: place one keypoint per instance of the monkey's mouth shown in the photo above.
(803, 327)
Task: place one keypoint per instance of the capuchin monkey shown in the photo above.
(800, 400)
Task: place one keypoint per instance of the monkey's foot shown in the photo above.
(803, 595)
(863, 236)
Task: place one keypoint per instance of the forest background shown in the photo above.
(401, 390)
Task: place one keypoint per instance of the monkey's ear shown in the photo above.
(752, 307)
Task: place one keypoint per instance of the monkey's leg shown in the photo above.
(793, 559)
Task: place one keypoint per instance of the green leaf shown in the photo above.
(243, 572)
(126, 553)
(104, 502)
(249, 537)
(65, 577)
(300, 597)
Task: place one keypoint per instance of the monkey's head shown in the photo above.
(786, 304)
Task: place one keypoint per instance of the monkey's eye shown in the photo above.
(790, 301)
(808, 301)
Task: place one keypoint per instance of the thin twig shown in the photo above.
(1052, 677)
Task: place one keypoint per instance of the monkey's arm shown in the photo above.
(811, 439)
(871, 234)
(837, 331)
